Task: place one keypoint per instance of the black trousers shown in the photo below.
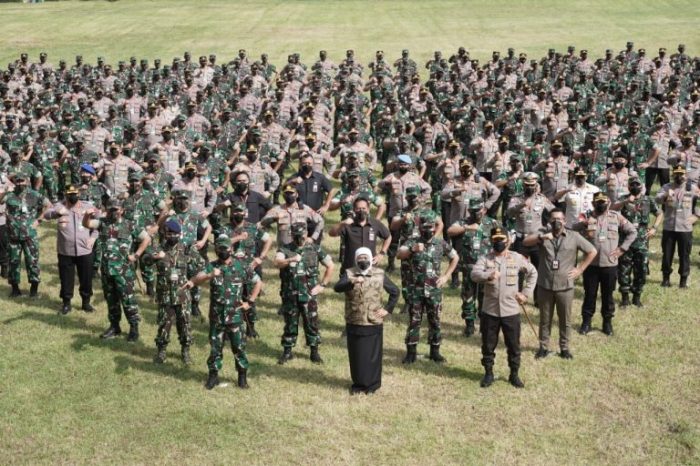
(66, 272)
(532, 253)
(4, 246)
(652, 174)
(595, 277)
(669, 240)
(365, 348)
(490, 327)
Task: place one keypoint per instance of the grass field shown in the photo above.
(68, 397)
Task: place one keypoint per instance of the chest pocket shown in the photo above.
(284, 221)
(613, 228)
(310, 260)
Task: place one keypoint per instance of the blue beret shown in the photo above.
(86, 167)
(173, 226)
(403, 158)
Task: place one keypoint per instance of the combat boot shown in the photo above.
(683, 283)
(487, 380)
(150, 290)
(625, 300)
(607, 327)
(410, 354)
(34, 290)
(541, 353)
(133, 332)
(435, 354)
(666, 282)
(186, 355)
(15, 293)
(637, 299)
(243, 378)
(160, 357)
(86, 306)
(65, 309)
(585, 326)
(315, 357)
(514, 379)
(470, 329)
(111, 332)
(454, 283)
(250, 330)
(286, 355)
(212, 380)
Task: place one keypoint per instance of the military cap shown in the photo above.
(678, 169)
(453, 143)
(610, 115)
(423, 91)
(600, 196)
(530, 178)
(222, 241)
(353, 131)
(498, 234)
(299, 228)
(152, 104)
(353, 173)
(152, 156)
(516, 156)
(167, 129)
(523, 55)
(642, 51)
(310, 137)
(251, 149)
(465, 162)
(77, 137)
(584, 52)
(503, 140)
(86, 167)
(269, 113)
(580, 171)
(630, 44)
(659, 119)
(173, 226)
(540, 131)
(238, 207)
(413, 191)
(189, 166)
(488, 124)
(288, 188)
(135, 176)
(191, 104)
(404, 158)
(476, 203)
(20, 176)
(635, 180)
(593, 134)
(557, 144)
(72, 189)
(181, 194)
(310, 121)
(428, 217)
(113, 203)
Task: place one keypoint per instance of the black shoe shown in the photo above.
(541, 353)
(86, 306)
(435, 354)
(65, 309)
(470, 329)
(487, 381)
(410, 357)
(111, 332)
(585, 327)
(315, 357)
(607, 327)
(250, 330)
(454, 283)
(637, 300)
(566, 354)
(150, 289)
(286, 355)
(160, 357)
(243, 378)
(133, 333)
(683, 283)
(514, 379)
(34, 290)
(15, 293)
(212, 380)
(666, 282)
(625, 300)
(185, 353)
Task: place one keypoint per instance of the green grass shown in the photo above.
(68, 397)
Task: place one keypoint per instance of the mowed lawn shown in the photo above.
(68, 397)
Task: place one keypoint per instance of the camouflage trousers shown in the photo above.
(291, 310)
(218, 334)
(50, 186)
(97, 255)
(431, 307)
(181, 315)
(30, 248)
(251, 315)
(118, 290)
(633, 263)
(472, 293)
(406, 281)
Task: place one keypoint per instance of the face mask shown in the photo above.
(465, 173)
(557, 225)
(289, 198)
(113, 214)
(678, 179)
(306, 169)
(20, 188)
(529, 191)
(241, 188)
(619, 165)
(172, 239)
(556, 152)
(475, 215)
(361, 216)
(299, 239)
(636, 190)
(133, 188)
(601, 207)
(499, 246)
(86, 179)
(238, 218)
(363, 265)
(189, 175)
(580, 180)
(251, 157)
(403, 170)
(181, 204)
(426, 234)
(223, 254)
(72, 198)
(412, 200)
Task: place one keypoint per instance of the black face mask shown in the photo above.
(466, 173)
(619, 165)
(363, 265)
(601, 207)
(678, 179)
(306, 169)
(72, 198)
(238, 217)
(412, 200)
(403, 170)
(499, 246)
(182, 204)
(426, 234)
(223, 254)
(556, 152)
(580, 180)
(361, 216)
(20, 188)
(299, 239)
(172, 239)
(557, 225)
(134, 188)
(189, 175)
(290, 198)
(635, 190)
(475, 215)
(529, 191)
(251, 157)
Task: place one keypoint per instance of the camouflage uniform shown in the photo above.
(636, 259)
(45, 157)
(22, 211)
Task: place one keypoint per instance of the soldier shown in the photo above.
(117, 236)
(603, 229)
(298, 262)
(499, 271)
(636, 207)
(228, 275)
(115, 170)
(46, 154)
(425, 254)
(175, 263)
(288, 214)
(474, 231)
(25, 208)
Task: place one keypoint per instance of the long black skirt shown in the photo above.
(365, 347)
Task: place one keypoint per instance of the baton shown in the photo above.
(527, 316)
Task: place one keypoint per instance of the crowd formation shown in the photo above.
(507, 168)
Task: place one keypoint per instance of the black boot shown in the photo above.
(454, 283)
(487, 381)
(607, 327)
(637, 299)
(34, 290)
(65, 309)
(514, 379)
(150, 290)
(585, 326)
(666, 282)
(250, 330)
(243, 378)
(133, 332)
(625, 300)
(315, 357)
(15, 293)
(470, 329)
(86, 306)
(286, 355)
(185, 353)
(111, 332)
(410, 354)
(541, 353)
(160, 357)
(435, 354)
(3, 271)
(683, 283)
(212, 380)
(195, 310)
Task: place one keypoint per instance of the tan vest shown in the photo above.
(362, 302)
